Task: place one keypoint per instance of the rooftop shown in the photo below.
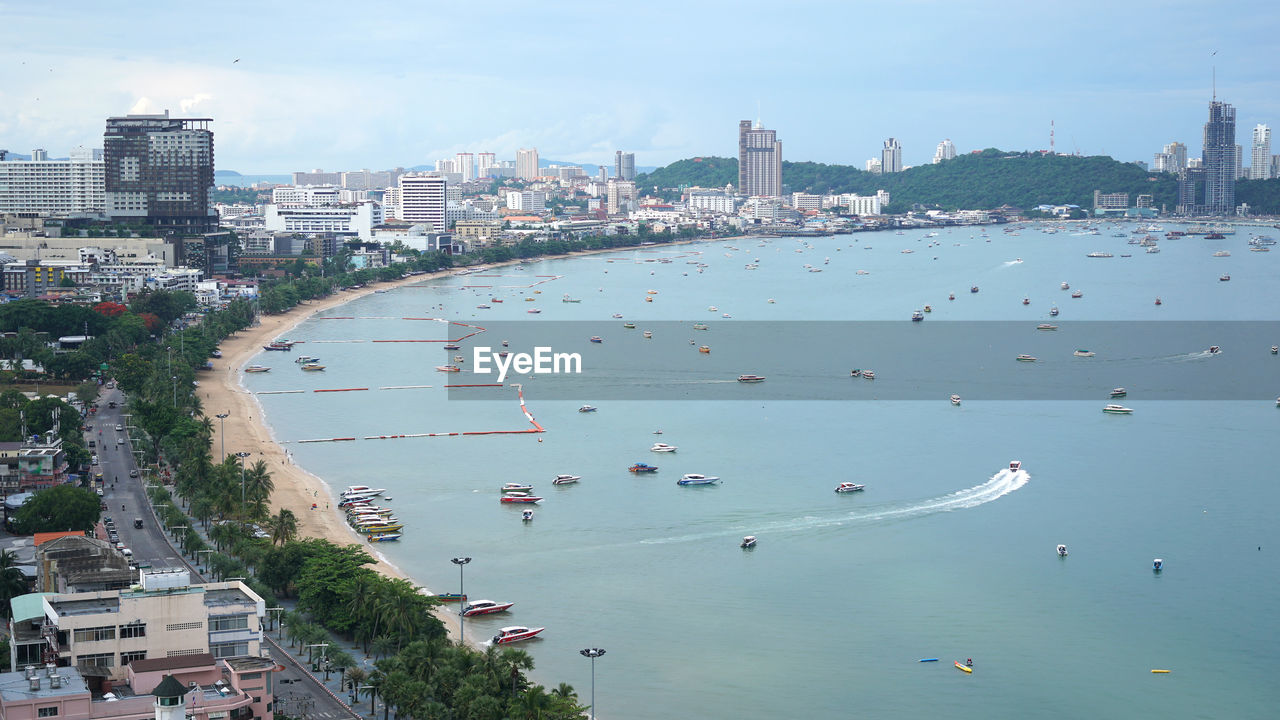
(15, 687)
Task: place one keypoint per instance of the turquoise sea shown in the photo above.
(945, 554)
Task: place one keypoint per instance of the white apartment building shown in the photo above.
(422, 200)
(187, 279)
(76, 186)
(891, 156)
(466, 210)
(621, 196)
(805, 201)
(527, 163)
(485, 161)
(358, 219)
(946, 151)
(873, 166)
(1260, 160)
(864, 204)
(299, 196)
(464, 163)
(713, 202)
(391, 203)
(527, 200)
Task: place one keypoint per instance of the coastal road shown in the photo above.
(151, 546)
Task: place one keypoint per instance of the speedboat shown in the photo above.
(566, 479)
(1275, 349)
(1015, 465)
(643, 468)
(1025, 358)
(748, 542)
(663, 447)
(973, 289)
(700, 326)
(1046, 326)
(917, 316)
(1026, 301)
(1077, 294)
(952, 296)
(869, 374)
(303, 359)
(312, 367)
(955, 399)
(648, 334)
(513, 487)
(452, 347)
(696, 479)
(1214, 349)
(704, 349)
(533, 311)
(1158, 301)
(1084, 353)
(519, 497)
(485, 607)
(1062, 551)
(629, 325)
(1117, 410)
(1119, 393)
(750, 378)
(451, 597)
(1053, 311)
(588, 408)
(372, 528)
(596, 338)
(257, 369)
(617, 316)
(1065, 286)
(384, 537)
(1224, 278)
(448, 368)
(515, 633)
(848, 487)
(281, 347)
(359, 490)
(527, 516)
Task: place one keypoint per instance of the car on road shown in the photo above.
(93, 443)
(119, 427)
(112, 404)
(133, 473)
(137, 522)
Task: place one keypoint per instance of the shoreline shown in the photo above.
(246, 428)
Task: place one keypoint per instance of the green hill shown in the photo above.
(978, 181)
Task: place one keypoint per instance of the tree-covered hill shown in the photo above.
(981, 180)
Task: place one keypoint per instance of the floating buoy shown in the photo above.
(1161, 672)
(928, 659)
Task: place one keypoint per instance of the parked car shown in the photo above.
(133, 473)
(119, 427)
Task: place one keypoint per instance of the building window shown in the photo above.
(229, 622)
(226, 650)
(95, 634)
(51, 711)
(128, 657)
(136, 630)
(98, 659)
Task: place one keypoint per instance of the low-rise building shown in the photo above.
(32, 464)
(358, 219)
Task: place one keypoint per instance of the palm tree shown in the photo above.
(284, 526)
(12, 582)
(565, 692)
(356, 676)
(383, 646)
(534, 702)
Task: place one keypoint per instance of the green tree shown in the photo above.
(62, 507)
(12, 581)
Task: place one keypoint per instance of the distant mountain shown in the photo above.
(981, 180)
(228, 173)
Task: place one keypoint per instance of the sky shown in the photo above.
(345, 86)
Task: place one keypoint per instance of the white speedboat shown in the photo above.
(1062, 551)
(512, 487)
(527, 516)
(1046, 326)
(750, 378)
(363, 492)
(1025, 358)
(848, 487)
(485, 607)
(257, 369)
(566, 479)
(1111, 409)
(1214, 349)
(1119, 392)
(1084, 353)
(515, 633)
(698, 479)
(663, 448)
(587, 408)
(955, 399)
(1015, 465)
(748, 542)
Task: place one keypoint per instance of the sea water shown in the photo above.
(945, 554)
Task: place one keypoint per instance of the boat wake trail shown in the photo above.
(999, 485)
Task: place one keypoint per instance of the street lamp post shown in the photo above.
(222, 432)
(592, 653)
(242, 456)
(462, 601)
(175, 391)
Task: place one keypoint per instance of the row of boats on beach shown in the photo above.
(377, 523)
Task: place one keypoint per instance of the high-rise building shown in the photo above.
(1260, 158)
(1172, 159)
(464, 163)
(873, 166)
(759, 161)
(891, 156)
(1220, 160)
(620, 196)
(1275, 166)
(486, 160)
(422, 200)
(445, 165)
(160, 169)
(527, 163)
(1241, 171)
(946, 151)
(54, 187)
(624, 165)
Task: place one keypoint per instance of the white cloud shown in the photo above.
(186, 104)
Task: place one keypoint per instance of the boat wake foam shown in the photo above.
(999, 485)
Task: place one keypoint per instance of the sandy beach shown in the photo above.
(295, 488)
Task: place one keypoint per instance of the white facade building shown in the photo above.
(1260, 161)
(946, 151)
(873, 166)
(305, 196)
(527, 163)
(464, 163)
(864, 204)
(485, 161)
(713, 202)
(422, 200)
(76, 186)
(891, 156)
(466, 210)
(620, 196)
(805, 201)
(356, 219)
(527, 200)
